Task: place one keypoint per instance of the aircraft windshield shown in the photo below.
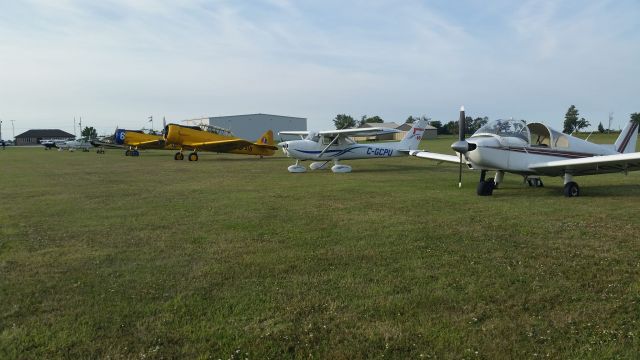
(313, 136)
(506, 128)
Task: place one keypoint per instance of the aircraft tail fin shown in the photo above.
(119, 136)
(412, 139)
(266, 139)
(626, 142)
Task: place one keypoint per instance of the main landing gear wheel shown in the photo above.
(571, 189)
(127, 153)
(193, 157)
(178, 156)
(535, 182)
(296, 168)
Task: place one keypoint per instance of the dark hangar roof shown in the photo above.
(44, 133)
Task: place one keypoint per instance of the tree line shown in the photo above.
(344, 121)
(572, 122)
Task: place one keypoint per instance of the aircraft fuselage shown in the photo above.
(311, 150)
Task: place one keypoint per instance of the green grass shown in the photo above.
(232, 257)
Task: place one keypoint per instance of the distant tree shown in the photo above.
(374, 119)
(89, 132)
(570, 120)
(635, 117)
(410, 120)
(362, 121)
(477, 123)
(343, 121)
(438, 125)
(601, 127)
(582, 124)
(452, 127)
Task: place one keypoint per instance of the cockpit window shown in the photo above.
(326, 140)
(313, 136)
(506, 128)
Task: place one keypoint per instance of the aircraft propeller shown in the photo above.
(462, 146)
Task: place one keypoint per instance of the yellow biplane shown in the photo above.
(215, 139)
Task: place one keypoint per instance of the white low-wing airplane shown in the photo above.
(335, 145)
(534, 150)
(72, 145)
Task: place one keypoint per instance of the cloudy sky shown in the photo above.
(116, 62)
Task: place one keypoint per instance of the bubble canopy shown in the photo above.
(505, 128)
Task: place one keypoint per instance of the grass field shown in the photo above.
(107, 256)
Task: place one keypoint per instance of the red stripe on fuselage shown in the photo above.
(549, 152)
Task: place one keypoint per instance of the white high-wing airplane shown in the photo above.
(335, 145)
(534, 150)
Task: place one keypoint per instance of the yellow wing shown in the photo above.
(227, 145)
(146, 142)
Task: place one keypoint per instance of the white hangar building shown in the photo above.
(252, 126)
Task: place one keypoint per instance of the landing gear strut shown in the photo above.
(498, 178)
(485, 187)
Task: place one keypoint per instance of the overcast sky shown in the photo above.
(116, 62)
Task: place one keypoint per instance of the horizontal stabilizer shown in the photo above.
(434, 156)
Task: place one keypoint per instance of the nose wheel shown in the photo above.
(178, 156)
(485, 186)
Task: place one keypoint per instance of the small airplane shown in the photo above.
(533, 150)
(105, 142)
(73, 145)
(51, 143)
(215, 139)
(335, 145)
(132, 140)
